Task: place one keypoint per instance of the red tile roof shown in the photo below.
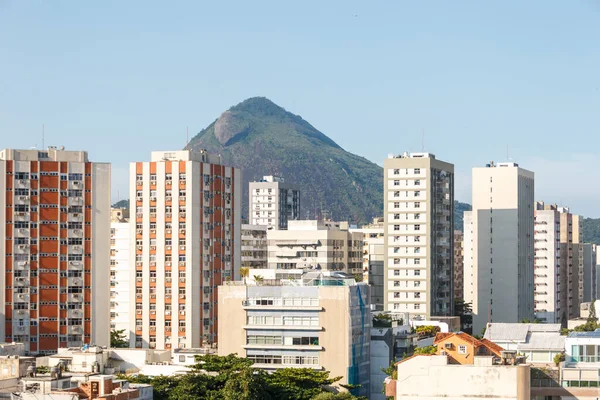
(465, 337)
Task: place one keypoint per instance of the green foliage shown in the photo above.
(358, 277)
(426, 331)
(382, 321)
(233, 378)
(592, 315)
(591, 230)
(426, 350)
(121, 204)
(118, 339)
(42, 370)
(560, 357)
(528, 321)
(459, 210)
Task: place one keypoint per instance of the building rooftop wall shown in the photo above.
(186, 155)
(52, 153)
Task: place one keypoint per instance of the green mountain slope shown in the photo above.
(459, 210)
(262, 138)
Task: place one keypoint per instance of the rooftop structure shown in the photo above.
(273, 203)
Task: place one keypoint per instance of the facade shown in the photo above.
(539, 343)
(254, 246)
(559, 264)
(312, 244)
(589, 272)
(459, 256)
(273, 203)
(499, 245)
(419, 221)
(373, 257)
(56, 222)
(434, 377)
(461, 348)
(321, 322)
(186, 242)
(120, 275)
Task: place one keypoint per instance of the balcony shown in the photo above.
(75, 314)
(75, 330)
(21, 281)
(21, 297)
(247, 305)
(74, 281)
(22, 232)
(75, 297)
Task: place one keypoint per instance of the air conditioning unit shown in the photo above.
(168, 263)
(167, 279)
(167, 312)
(167, 230)
(152, 312)
(152, 279)
(138, 279)
(152, 247)
(152, 230)
(182, 296)
(182, 280)
(168, 247)
(139, 312)
(139, 247)
(153, 263)
(182, 231)
(182, 247)
(181, 312)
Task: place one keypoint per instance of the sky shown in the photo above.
(477, 80)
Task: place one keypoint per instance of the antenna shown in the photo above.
(43, 134)
(423, 141)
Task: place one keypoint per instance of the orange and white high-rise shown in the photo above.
(55, 250)
(186, 225)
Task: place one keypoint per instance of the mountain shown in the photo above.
(262, 138)
(459, 210)
(121, 204)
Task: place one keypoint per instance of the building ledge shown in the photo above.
(291, 308)
(282, 347)
(284, 327)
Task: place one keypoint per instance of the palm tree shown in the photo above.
(259, 279)
(244, 272)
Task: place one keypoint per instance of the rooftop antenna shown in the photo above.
(43, 134)
(187, 137)
(423, 141)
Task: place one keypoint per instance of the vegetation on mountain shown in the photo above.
(233, 378)
(591, 230)
(459, 210)
(262, 139)
(121, 204)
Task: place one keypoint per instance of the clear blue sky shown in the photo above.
(121, 78)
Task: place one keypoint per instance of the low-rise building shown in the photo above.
(437, 377)
(312, 244)
(321, 321)
(539, 343)
(462, 348)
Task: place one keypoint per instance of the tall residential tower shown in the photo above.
(418, 235)
(498, 244)
(185, 243)
(55, 249)
(273, 203)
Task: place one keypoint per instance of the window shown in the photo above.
(396, 204)
(417, 204)
(417, 182)
(396, 216)
(417, 227)
(397, 193)
(396, 183)
(396, 172)
(417, 171)
(462, 349)
(417, 193)
(396, 227)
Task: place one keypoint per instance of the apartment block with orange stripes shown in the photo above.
(55, 251)
(186, 226)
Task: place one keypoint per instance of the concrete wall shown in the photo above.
(430, 378)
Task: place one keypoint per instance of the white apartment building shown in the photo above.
(120, 276)
(311, 244)
(320, 321)
(373, 256)
(55, 251)
(560, 272)
(499, 245)
(254, 246)
(185, 241)
(273, 203)
(418, 235)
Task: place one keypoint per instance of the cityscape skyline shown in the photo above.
(527, 88)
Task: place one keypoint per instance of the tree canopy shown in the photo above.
(234, 378)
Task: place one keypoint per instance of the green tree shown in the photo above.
(592, 319)
(259, 279)
(298, 383)
(560, 357)
(426, 331)
(244, 272)
(118, 339)
(426, 350)
(246, 385)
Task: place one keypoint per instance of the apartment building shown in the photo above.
(373, 257)
(459, 256)
(589, 272)
(273, 202)
(418, 235)
(312, 244)
(499, 246)
(320, 321)
(120, 272)
(56, 251)
(186, 242)
(559, 263)
(254, 246)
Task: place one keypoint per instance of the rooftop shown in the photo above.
(308, 278)
(517, 332)
(595, 334)
(412, 155)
